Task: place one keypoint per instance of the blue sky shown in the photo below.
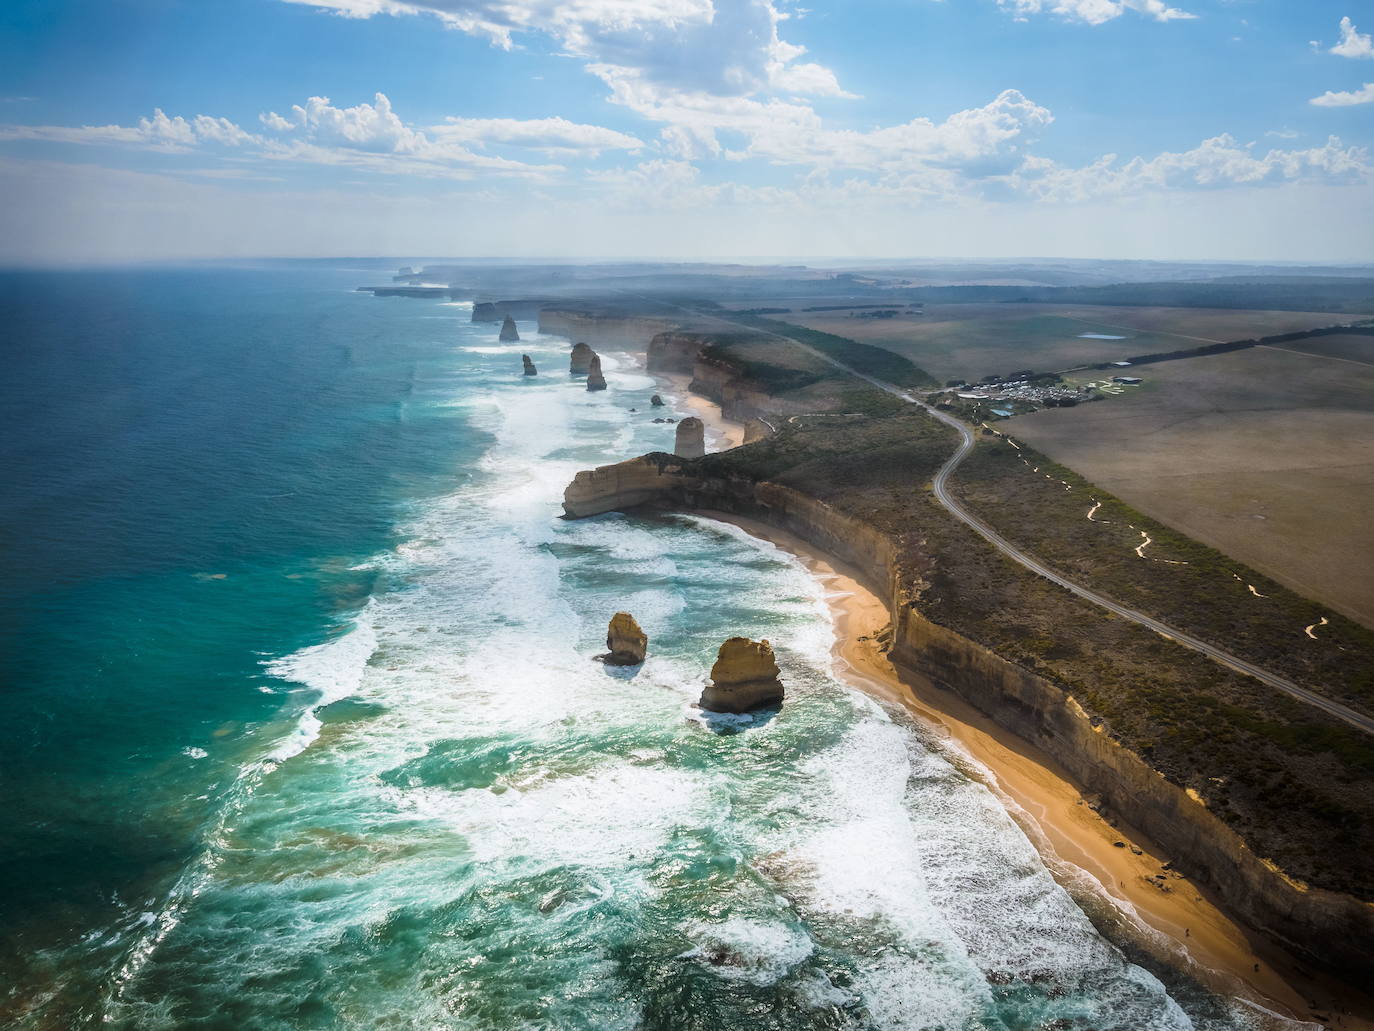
(1237, 129)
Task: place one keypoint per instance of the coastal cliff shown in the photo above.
(607, 328)
(1330, 927)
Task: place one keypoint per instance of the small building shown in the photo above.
(974, 397)
(1126, 379)
(1120, 365)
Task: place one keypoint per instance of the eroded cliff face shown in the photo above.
(606, 329)
(674, 351)
(1333, 929)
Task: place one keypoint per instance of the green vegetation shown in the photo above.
(875, 361)
(1290, 293)
(1296, 784)
(1179, 580)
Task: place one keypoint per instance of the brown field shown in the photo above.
(1264, 454)
(1344, 348)
(969, 341)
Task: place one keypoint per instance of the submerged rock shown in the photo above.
(626, 641)
(744, 678)
(530, 370)
(509, 334)
(581, 362)
(689, 441)
(595, 381)
(656, 401)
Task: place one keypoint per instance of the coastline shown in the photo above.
(1179, 925)
(727, 433)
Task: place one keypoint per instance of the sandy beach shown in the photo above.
(1104, 865)
(721, 433)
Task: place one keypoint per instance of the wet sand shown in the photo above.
(1180, 924)
(722, 434)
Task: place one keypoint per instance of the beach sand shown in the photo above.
(722, 434)
(1180, 924)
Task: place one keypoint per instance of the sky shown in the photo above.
(137, 130)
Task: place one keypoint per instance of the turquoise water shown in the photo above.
(304, 729)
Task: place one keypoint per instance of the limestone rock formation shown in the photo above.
(595, 381)
(484, 311)
(690, 439)
(581, 362)
(656, 401)
(744, 678)
(530, 370)
(509, 334)
(624, 485)
(626, 642)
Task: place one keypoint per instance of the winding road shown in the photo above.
(940, 486)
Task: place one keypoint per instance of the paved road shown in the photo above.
(942, 494)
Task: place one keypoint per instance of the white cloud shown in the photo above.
(1094, 12)
(551, 135)
(159, 132)
(1331, 98)
(1353, 42)
(1215, 163)
(720, 47)
(373, 128)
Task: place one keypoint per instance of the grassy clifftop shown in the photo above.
(1297, 785)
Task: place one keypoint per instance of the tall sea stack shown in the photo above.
(744, 678)
(581, 362)
(509, 334)
(595, 381)
(690, 441)
(530, 370)
(626, 642)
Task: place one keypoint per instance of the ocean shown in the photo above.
(303, 726)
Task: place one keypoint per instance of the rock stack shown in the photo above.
(595, 381)
(690, 439)
(581, 362)
(530, 370)
(484, 311)
(744, 678)
(656, 401)
(626, 642)
(509, 334)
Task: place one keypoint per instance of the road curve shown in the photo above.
(940, 487)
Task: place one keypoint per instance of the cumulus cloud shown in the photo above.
(1353, 43)
(721, 47)
(1094, 12)
(1332, 98)
(1215, 163)
(366, 136)
(171, 135)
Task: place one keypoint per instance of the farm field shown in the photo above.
(1352, 348)
(970, 341)
(1264, 454)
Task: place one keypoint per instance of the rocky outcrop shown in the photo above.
(485, 311)
(626, 643)
(595, 380)
(744, 678)
(1333, 929)
(675, 351)
(581, 361)
(656, 401)
(690, 439)
(608, 327)
(611, 488)
(509, 334)
(530, 370)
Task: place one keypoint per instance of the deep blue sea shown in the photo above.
(302, 727)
